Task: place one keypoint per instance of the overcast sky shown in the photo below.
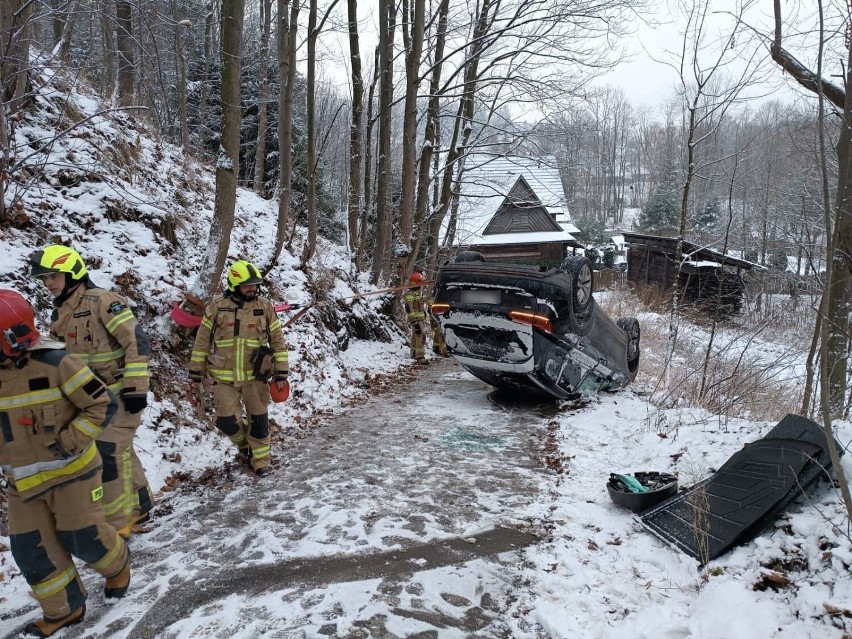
(646, 80)
(643, 77)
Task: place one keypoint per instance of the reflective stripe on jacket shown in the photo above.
(51, 410)
(230, 334)
(414, 306)
(98, 325)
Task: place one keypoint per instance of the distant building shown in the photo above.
(512, 209)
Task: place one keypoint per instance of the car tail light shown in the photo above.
(439, 308)
(539, 321)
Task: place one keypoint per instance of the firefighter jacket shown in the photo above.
(232, 335)
(414, 305)
(52, 407)
(98, 325)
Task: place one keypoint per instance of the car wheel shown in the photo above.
(579, 268)
(630, 325)
(469, 256)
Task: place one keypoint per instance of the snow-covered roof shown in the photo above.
(488, 180)
(525, 238)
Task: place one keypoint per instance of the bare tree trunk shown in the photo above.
(181, 74)
(4, 161)
(461, 128)
(314, 30)
(286, 46)
(412, 35)
(107, 21)
(430, 138)
(674, 317)
(708, 352)
(310, 245)
(836, 323)
(57, 20)
(124, 23)
(262, 97)
(840, 276)
(227, 164)
(63, 46)
(355, 147)
(810, 367)
(829, 403)
(205, 89)
(834, 305)
(15, 37)
(368, 166)
(384, 215)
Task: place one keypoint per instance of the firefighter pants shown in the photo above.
(418, 341)
(439, 346)
(127, 495)
(48, 529)
(250, 438)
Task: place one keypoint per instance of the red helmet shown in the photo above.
(17, 324)
(415, 278)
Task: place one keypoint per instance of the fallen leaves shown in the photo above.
(836, 611)
(772, 580)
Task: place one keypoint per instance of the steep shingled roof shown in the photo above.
(488, 180)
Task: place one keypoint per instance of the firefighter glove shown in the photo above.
(264, 360)
(195, 377)
(134, 402)
(280, 377)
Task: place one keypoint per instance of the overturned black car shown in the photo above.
(533, 329)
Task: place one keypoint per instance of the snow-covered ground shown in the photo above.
(117, 195)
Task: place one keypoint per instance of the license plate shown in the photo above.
(480, 297)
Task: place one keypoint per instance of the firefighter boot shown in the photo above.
(116, 586)
(47, 626)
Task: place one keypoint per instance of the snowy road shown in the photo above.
(398, 519)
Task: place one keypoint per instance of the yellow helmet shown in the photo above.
(243, 272)
(58, 259)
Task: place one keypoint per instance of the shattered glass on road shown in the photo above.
(402, 517)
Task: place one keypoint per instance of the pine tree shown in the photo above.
(708, 218)
(661, 213)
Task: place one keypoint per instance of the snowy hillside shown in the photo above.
(138, 210)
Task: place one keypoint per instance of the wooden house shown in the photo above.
(512, 209)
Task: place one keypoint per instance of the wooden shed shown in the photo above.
(708, 279)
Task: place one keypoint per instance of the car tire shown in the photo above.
(630, 325)
(469, 256)
(580, 269)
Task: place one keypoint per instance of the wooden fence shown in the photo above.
(609, 278)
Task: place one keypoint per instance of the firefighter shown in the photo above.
(240, 343)
(416, 314)
(52, 406)
(98, 325)
(439, 345)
